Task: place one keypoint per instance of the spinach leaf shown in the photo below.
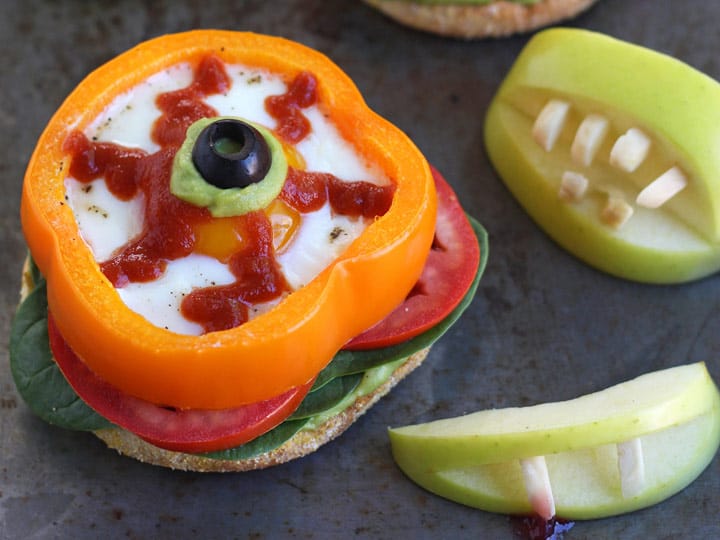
(325, 398)
(37, 377)
(264, 443)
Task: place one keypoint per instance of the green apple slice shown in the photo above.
(584, 482)
(617, 450)
(640, 127)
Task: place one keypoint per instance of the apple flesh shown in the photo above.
(622, 132)
(672, 415)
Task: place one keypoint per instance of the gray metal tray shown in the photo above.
(543, 326)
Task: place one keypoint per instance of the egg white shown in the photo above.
(107, 223)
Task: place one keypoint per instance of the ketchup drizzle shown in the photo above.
(169, 222)
(258, 280)
(309, 191)
(182, 108)
(168, 231)
(285, 108)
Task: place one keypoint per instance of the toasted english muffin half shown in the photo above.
(493, 19)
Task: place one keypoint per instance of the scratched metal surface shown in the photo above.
(543, 326)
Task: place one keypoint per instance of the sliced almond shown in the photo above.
(537, 485)
(616, 212)
(631, 466)
(630, 150)
(549, 123)
(573, 186)
(588, 139)
(662, 189)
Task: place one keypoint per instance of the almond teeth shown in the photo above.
(588, 139)
(662, 189)
(631, 466)
(616, 212)
(573, 186)
(549, 123)
(630, 150)
(537, 485)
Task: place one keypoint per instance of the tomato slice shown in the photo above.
(189, 430)
(449, 270)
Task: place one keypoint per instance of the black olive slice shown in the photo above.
(230, 153)
(226, 152)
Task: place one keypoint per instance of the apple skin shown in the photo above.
(474, 459)
(633, 87)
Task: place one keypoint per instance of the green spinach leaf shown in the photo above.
(326, 397)
(37, 377)
(264, 443)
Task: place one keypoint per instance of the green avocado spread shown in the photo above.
(187, 183)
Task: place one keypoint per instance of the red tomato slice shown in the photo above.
(448, 273)
(191, 430)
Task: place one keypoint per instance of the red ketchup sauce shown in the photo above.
(286, 108)
(168, 231)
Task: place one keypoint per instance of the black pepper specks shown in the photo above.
(97, 210)
(336, 233)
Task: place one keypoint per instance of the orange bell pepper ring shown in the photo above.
(273, 352)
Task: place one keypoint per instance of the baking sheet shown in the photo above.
(543, 326)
